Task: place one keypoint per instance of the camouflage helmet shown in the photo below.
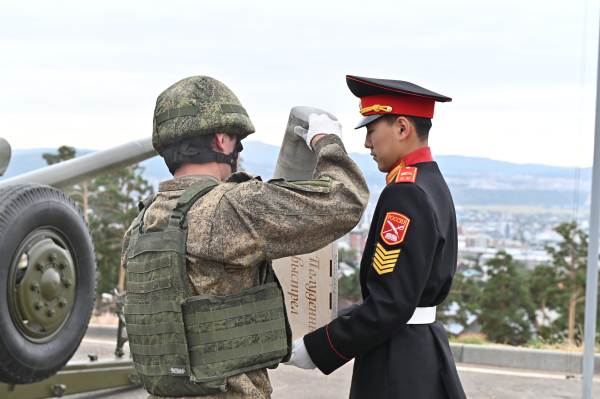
(196, 106)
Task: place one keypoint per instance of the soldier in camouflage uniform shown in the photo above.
(244, 222)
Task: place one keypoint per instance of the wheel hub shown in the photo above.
(45, 287)
(51, 285)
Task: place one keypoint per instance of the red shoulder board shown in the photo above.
(407, 175)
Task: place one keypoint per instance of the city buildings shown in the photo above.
(482, 233)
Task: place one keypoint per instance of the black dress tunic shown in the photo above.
(394, 359)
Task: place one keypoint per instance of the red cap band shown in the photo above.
(402, 105)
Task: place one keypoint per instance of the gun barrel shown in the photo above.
(4, 155)
(87, 167)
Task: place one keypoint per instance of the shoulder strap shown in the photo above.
(145, 203)
(270, 276)
(407, 175)
(138, 222)
(187, 200)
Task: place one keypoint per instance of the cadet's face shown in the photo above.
(382, 140)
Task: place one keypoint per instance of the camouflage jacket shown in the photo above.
(244, 222)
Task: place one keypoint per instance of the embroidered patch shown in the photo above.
(407, 175)
(384, 261)
(178, 370)
(394, 228)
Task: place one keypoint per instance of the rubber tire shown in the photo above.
(23, 209)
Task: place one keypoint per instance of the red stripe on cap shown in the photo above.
(398, 91)
(327, 330)
(403, 105)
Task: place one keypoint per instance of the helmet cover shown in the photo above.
(196, 106)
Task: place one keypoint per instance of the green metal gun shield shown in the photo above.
(196, 106)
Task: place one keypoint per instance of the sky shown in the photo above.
(522, 74)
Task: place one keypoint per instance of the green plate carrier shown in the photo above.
(184, 345)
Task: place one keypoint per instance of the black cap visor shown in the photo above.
(366, 120)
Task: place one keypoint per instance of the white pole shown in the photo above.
(591, 286)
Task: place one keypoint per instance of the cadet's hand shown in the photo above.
(318, 124)
(300, 357)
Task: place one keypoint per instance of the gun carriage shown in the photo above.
(48, 278)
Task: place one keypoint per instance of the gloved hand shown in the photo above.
(318, 124)
(300, 357)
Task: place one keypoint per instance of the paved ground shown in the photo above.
(480, 382)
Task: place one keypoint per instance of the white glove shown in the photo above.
(300, 357)
(318, 124)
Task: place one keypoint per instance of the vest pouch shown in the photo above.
(233, 334)
(156, 286)
(188, 346)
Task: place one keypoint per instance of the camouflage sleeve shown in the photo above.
(125, 246)
(258, 221)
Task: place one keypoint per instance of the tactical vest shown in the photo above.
(184, 345)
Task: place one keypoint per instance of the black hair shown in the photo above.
(198, 143)
(205, 141)
(422, 125)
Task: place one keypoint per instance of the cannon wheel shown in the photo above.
(47, 281)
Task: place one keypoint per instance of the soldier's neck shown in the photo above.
(210, 168)
(412, 146)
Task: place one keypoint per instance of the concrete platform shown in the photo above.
(480, 381)
(523, 358)
(487, 355)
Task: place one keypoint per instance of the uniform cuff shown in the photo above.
(322, 352)
(327, 140)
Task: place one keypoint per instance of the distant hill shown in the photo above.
(522, 184)
(459, 165)
(23, 161)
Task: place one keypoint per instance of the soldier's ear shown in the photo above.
(403, 128)
(219, 142)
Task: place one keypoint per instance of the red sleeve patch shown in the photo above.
(394, 228)
(407, 175)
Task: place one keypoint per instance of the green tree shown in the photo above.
(544, 289)
(569, 258)
(504, 303)
(64, 154)
(113, 208)
(349, 256)
(463, 295)
(79, 193)
(349, 287)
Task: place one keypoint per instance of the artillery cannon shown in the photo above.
(48, 270)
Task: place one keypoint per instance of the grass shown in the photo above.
(480, 339)
(473, 339)
(559, 346)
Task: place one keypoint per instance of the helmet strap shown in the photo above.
(185, 152)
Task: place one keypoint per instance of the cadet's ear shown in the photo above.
(403, 127)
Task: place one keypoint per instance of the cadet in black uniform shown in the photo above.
(408, 265)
